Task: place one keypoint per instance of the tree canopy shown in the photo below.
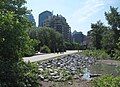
(49, 37)
(13, 43)
(113, 18)
(107, 37)
(96, 34)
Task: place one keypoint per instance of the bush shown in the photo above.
(19, 74)
(72, 46)
(117, 55)
(14, 43)
(45, 49)
(107, 81)
(29, 74)
(117, 52)
(98, 54)
(30, 47)
(49, 37)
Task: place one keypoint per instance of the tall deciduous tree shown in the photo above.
(49, 37)
(13, 42)
(107, 40)
(96, 34)
(113, 18)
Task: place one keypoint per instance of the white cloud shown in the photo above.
(84, 13)
(90, 7)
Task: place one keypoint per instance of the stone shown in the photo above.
(76, 77)
(41, 77)
(46, 80)
(70, 63)
(49, 66)
(70, 83)
(51, 70)
(56, 77)
(40, 69)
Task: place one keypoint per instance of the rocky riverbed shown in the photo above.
(66, 71)
(64, 68)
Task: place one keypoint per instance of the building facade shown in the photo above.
(60, 25)
(31, 18)
(57, 22)
(78, 37)
(43, 17)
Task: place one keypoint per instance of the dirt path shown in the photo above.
(75, 83)
(110, 62)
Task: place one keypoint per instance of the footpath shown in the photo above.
(40, 57)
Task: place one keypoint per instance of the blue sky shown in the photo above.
(79, 13)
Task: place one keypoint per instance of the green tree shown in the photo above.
(13, 40)
(106, 37)
(113, 18)
(96, 34)
(72, 46)
(45, 49)
(107, 41)
(117, 51)
(49, 37)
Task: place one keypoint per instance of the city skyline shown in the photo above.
(79, 14)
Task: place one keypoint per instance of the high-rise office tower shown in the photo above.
(43, 17)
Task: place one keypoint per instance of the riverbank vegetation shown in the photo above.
(105, 44)
(106, 38)
(107, 81)
(97, 54)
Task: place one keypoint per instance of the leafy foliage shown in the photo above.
(113, 18)
(102, 37)
(96, 34)
(49, 37)
(107, 40)
(27, 75)
(72, 46)
(13, 43)
(117, 52)
(98, 54)
(30, 47)
(45, 49)
(19, 74)
(107, 81)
